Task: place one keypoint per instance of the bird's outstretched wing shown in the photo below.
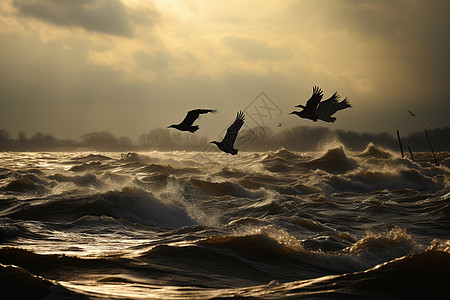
(325, 106)
(311, 104)
(193, 115)
(338, 106)
(232, 131)
(334, 107)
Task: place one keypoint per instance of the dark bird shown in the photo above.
(227, 144)
(309, 111)
(411, 113)
(186, 124)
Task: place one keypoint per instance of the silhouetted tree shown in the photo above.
(40, 141)
(22, 137)
(4, 139)
(101, 139)
(162, 138)
(4, 135)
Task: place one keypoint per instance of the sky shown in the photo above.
(71, 67)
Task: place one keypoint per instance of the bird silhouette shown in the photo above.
(309, 111)
(186, 124)
(411, 113)
(321, 110)
(227, 143)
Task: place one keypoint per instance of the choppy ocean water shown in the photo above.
(330, 224)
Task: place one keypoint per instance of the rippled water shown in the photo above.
(175, 225)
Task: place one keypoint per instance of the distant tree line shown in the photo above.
(305, 138)
(302, 138)
(156, 139)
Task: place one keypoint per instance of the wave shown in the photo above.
(373, 151)
(276, 253)
(90, 157)
(251, 258)
(368, 180)
(415, 276)
(167, 169)
(18, 283)
(381, 247)
(418, 276)
(90, 166)
(132, 204)
(84, 180)
(334, 161)
(378, 264)
(224, 188)
(25, 185)
(281, 160)
(10, 229)
(22, 274)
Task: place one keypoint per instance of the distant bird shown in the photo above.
(411, 113)
(186, 124)
(227, 144)
(279, 124)
(309, 111)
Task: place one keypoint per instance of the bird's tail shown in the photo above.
(344, 103)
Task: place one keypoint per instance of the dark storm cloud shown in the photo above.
(104, 16)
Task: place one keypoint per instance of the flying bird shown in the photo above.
(411, 113)
(186, 124)
(279, 124)
(309, 111)
(227, 143)
(316, 109)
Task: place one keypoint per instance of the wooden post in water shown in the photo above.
(400, 143)
(410, 153)
(431, 147)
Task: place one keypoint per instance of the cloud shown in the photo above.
(252, 49)
(104, 16)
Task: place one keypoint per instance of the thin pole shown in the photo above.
(400, 143)
(432, 151)
(410, 152)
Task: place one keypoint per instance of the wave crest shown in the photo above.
(334, 161)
